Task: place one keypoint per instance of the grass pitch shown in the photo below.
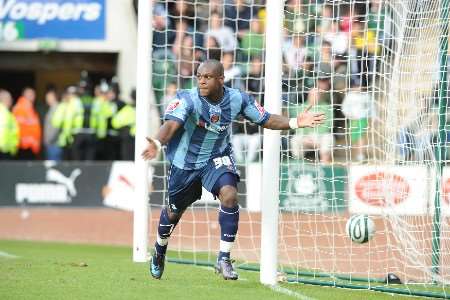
(37, 270)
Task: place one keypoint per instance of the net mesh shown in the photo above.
(373, 68)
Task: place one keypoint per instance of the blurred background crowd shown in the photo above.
(329, 55)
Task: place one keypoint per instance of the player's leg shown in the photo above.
(225, 189)
(220, 178)
(228, 221)
(183, 189)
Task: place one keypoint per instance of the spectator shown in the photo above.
(232, 73)
(321, 137)
(255, 77)
(223, 34)
(205, 9)
(125, 123)
(295, 52)
(302, 18)
(186, 63)
(326, 62)
(238, 15)
(252, 42)
(357, 107)
(162, 36)
(103, 109)
(164, 71)
(339, 40)
(181, 30)
(212, 47)
(375, 18)
(29, 125)
(68, 118)
(84, 140)
(112, 139)
(9, 129)
(183, 9)
(326, 19)
(365, 47)
(52, 150)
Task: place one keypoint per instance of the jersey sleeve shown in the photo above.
(178, 110)
(253, 111)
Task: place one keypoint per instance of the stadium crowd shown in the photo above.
(328, 56)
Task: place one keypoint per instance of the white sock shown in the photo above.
(161, 241)
(225, 246)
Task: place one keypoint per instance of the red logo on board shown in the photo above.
(381, 189)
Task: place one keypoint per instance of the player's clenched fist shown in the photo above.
(153, 147)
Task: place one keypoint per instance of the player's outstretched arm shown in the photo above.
(165, 133)
(304, 119)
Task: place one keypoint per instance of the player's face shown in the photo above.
(209, 83)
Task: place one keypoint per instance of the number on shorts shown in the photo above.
(222, 161)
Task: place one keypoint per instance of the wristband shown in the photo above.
(293, 124)
(157, 143)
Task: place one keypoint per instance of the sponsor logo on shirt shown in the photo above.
(212, 127)
(173, 105)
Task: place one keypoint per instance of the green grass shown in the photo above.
(66, 271)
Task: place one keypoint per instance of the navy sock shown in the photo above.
(229, 221)
(165, 229)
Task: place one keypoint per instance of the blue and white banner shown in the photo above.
(52, 19)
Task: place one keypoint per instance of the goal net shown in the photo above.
(377, 70)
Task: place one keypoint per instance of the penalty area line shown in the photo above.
(7, 255)
(282, 290)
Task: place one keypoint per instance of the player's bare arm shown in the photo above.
(165, 133)
(304, 119)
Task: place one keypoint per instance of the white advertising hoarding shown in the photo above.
(399, 190)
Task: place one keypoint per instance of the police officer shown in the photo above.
(68, 118)
(9, 129)
(84, 138)
(103, 109)
(125, 123)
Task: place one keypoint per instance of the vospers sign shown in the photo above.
(52, 19)
(400, 190)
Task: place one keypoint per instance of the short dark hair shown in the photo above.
(215, 65)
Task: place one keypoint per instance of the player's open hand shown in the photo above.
(151, 151)
(309, 119)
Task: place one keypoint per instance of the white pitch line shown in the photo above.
(282, 290)
(7, 255)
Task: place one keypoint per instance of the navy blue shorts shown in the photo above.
(185, 186)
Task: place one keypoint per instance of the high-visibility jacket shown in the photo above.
(126, 117)
(29, 125)
(9, 131)
(102, 110)
(68, 117)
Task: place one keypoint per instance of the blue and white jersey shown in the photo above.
(206, 129)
